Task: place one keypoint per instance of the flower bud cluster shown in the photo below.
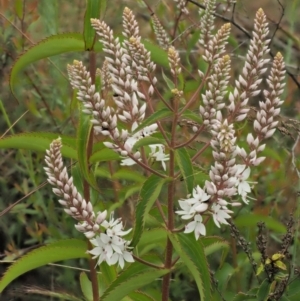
(215, 47)
(75, 205)
(160, 33)
(103, 116)
(265, 122)
(228, 184)
(213, 99)
(126, 65)
(248, 82)
(181, 4)
(141, 64)
(174, 61)
(113, 247)
(207, 22)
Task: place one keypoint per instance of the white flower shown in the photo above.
(100, 250)
(127, 162)
(197, 226)
(131, 140)
(111, 249)
(112, 222)
(187, 212)
(243, 186)
(112, 244)
(129, 143)
(195, 204)
(159, 155)
(121, 257)
(117, 230)
(220, 214)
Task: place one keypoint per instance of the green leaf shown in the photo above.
(83, 135)
(86, 286)
(263, 291)
(69, 42)
(294, 288)
(192, 254)
(140, 296)
(147, 141)
(158, 55)
(134, 277)
(250, 220)
(109, 273)
(242, 296)
(40, 142)
(169, 82)
(53, 45)
(57, 251)
(93, 10)
(260, 269)
(104, 155)
(50, 294)
(128, 174)
(295, 297)
(216, 244)
(149, 193)
(19, 8)
(223, 275)
(158, 115)
(188, 114)
(284, 298)
(151, 239)
(185, 165)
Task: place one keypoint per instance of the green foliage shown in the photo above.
(57, 251)
(136, 276)
(185, 164)
(192, 254)
(149, 194)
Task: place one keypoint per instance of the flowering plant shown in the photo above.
(131, 120)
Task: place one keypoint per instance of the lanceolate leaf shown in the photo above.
(158, 115)
(40, 142)
(57, 251)
(108, 272)
(86, 287)
(251, 220)
(185, 164)
(105, 154)
(188, 114)
(68, 42)
(158, 55)
(93, 10)
(140, 296)
(153, 236)
(51, 46)
(192, 254)
(128, 174)
(136, 276)
(149, 193)
(243, 297)
(213, 244)
(263, 291)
